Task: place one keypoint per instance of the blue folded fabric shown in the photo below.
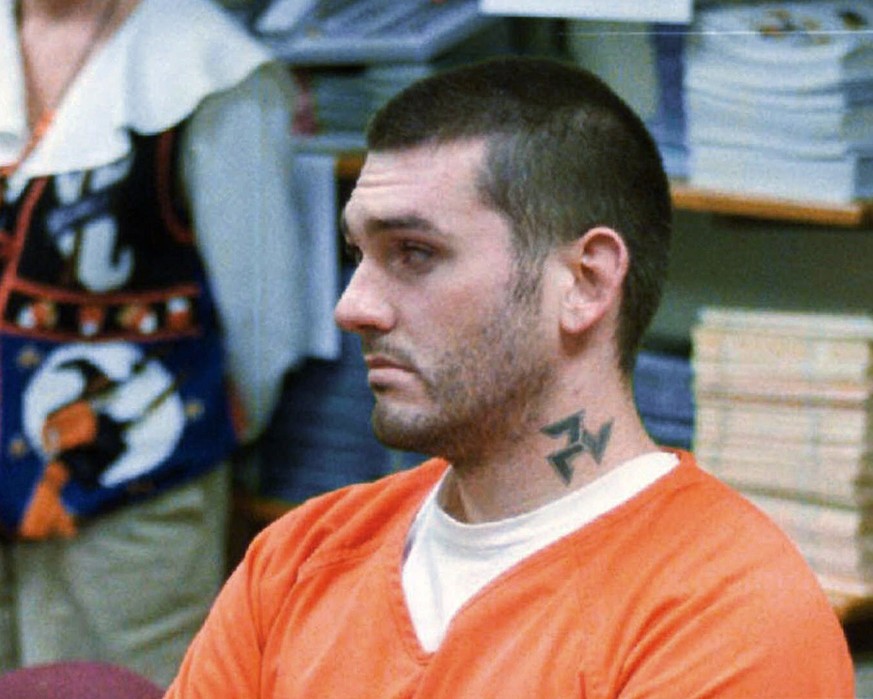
(663, 386)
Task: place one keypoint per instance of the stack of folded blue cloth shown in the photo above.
(664, 395)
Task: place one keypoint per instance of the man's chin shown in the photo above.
(403, 432)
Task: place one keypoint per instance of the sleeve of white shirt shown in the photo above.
(237, 172)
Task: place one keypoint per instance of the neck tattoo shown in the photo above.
(578, 441)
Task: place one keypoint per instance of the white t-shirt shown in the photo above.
(448, 562)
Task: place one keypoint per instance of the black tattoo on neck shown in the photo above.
(579, 441)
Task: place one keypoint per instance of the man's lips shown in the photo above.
(383, 368)
(381, 361)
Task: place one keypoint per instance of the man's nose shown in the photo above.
(364, 305)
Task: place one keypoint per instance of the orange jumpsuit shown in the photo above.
(684, 591)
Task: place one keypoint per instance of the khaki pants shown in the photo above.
(132, 587)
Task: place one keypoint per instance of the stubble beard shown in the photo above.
(484, 393)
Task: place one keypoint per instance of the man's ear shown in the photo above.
(597, 263)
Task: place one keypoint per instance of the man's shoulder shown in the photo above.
(691, 535)
(701, 512)
(724, 511)
(724, 547)
(395, 492)
(355, 517)
(717, 577)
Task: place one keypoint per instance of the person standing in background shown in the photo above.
(151, 267)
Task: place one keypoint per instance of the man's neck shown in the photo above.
(576, 446)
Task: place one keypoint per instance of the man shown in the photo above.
(511, 223)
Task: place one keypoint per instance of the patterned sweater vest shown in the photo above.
(112, 377)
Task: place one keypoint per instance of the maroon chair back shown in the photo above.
(77, 680)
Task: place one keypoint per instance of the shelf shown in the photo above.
(857, 214)
(687, 198)
(851, 609)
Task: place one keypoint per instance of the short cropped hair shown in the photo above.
(564, 154)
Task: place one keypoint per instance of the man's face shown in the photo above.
(455, 359)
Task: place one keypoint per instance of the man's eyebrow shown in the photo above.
(392, 223)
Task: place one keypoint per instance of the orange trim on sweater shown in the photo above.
(179, 229)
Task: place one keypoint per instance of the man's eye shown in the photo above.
(416, 253)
